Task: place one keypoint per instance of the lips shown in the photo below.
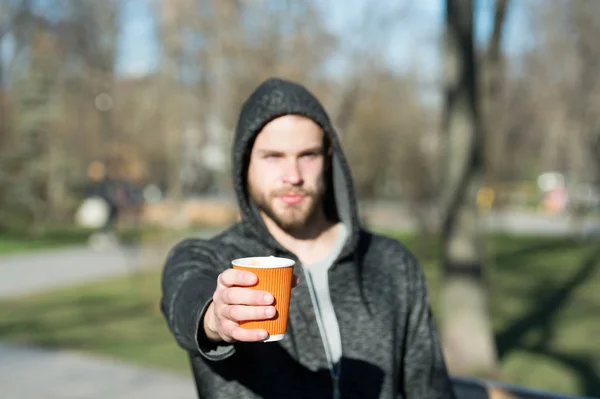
(291, 199)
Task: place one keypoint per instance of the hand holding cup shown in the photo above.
(251, 301)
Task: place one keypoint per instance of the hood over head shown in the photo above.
(274, 98)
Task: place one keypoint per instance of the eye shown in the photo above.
(271, 156)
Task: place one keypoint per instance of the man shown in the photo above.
(359, 324)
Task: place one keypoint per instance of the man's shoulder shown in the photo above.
(387, 243)
(388, 251)
(212, 243)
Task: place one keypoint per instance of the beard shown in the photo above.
(288, 217)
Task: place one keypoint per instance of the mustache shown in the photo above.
(292, 191)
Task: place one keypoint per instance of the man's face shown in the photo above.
(286, 171)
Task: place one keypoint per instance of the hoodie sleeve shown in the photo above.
(188, 283)
(425, 374)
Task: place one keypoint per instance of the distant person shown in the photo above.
(100, 186)
(360, 324)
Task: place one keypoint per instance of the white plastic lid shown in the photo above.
(263, 262)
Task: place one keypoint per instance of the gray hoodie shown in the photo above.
(390, 346)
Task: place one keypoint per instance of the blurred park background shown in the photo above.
(472, 128)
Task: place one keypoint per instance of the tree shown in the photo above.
(33, 91)
(560, 88)
(493, 81)
(584, 21)
(465, 325)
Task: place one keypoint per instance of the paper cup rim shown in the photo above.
(264, 262)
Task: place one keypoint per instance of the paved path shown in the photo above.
(32, 272)
(515, 222)
(391, 216)
(31, 373)
(35, 271)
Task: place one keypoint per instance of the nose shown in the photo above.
(293, 174)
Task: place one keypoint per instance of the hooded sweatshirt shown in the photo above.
(389, 343)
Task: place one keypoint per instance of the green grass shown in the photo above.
(118, 318)
(16, 241)
(20, 241)
(543, 299)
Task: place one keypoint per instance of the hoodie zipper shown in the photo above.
(334, 369)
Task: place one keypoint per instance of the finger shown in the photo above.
(233, 332)
(242, 313)
(227, 327)
(245, 335)
(246, 296)
(231, 277)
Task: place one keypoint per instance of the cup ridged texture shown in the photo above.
(277, 281)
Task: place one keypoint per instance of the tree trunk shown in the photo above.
(493, 74)
(466, 329)
(171, 103)
(3, 114)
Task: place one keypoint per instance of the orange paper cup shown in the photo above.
(274, 276)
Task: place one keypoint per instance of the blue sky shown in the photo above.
(412, 42)
(138, 52)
